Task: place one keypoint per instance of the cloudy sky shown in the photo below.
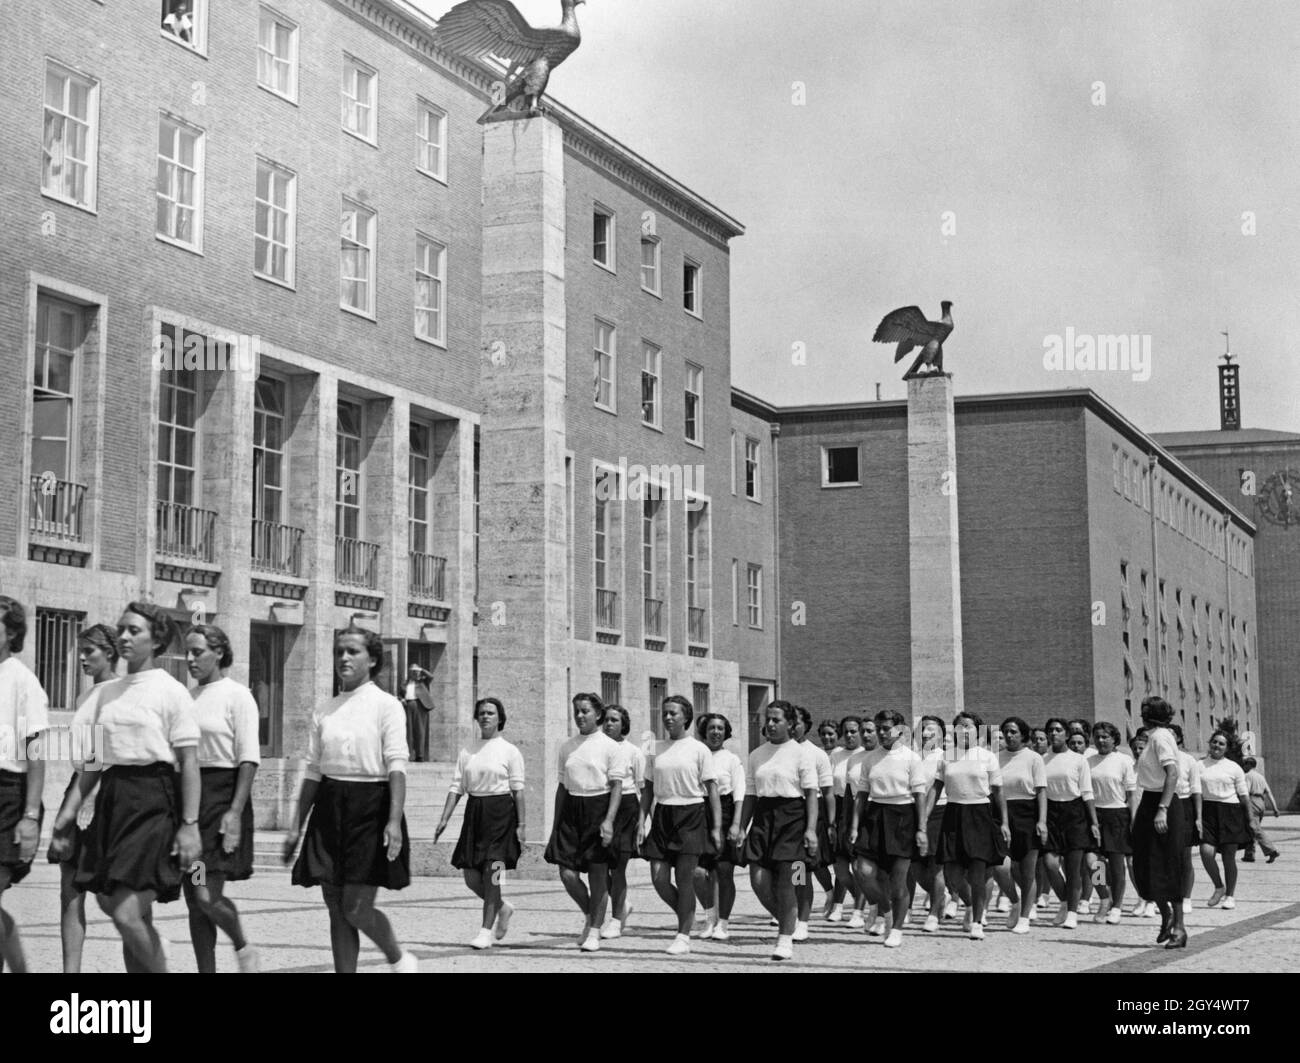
(1128, 216)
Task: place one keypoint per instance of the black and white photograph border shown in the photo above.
(491, 414)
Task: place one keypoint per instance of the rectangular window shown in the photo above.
(347, 468)
(611, 688)
(179, 192)
(658, 691)
(840, 467)
(431, 144)
(277, 54)
(269, 465)
(417, 489)
(731, 454)
(357, 259)
(691, 298)
(185, 21)
(603, 365)
(694, 403)
(273, 214)
(700, 698)
(651, 361)
(70, 140)
(754, 594)
(178, 432)
(606, 547)
(60, 334)
(602, 238)
(735, 592)
(56, 656)
(430, 289)
(1114, 467)
(654, 566)
(360, 83)
(650, 259)
(752, 489)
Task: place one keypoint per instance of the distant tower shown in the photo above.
(1229, 393)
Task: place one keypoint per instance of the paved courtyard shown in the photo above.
(436, 917)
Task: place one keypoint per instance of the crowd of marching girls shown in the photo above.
(159, 807)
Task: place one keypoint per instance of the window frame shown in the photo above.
(698, 439)
(658, 377)
(826, 465)
(424, 107)
(416, 488)
(265, 12)
(198, 43)
(697, 310)
(612, 356)
(440, 278)
(599, 210)
(72, 397)
(179, 128)
(360, 471)
(281, 452)
(754, 596)
(658, 290)
(353, 65)
(757, 494)
(195, 468)
(91, 162)
(291, 223)
(372, 248)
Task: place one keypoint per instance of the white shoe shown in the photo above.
(968, 919)
(249, 961)
(1021, 927)
(406, 964)
(592, 941)
(1004, 904)
(856, 922)
(1071, 921)
(1228, 903)
(836, 914)
(1215, 898)
(503, 920)
(1147, 910)
(894, 939)
(784, 948)
(800, 930)
(931, 924)
(1187, 905)
(705, 929)
(1085, 907)
(720, 931)
(977, 932)
(680, 947)
(950, 909)
(1061, 914)
(612, 929)
(482, 940)
(1113, 916)
(877, 928)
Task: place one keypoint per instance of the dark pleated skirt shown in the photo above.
(1022, 818)
(129, 842)
(13, 802)
(888, 834)
(844, 821)
(626, 824)
(1189, 822)
(825, 851)
(575, 843)
(776, 832)
(933, 826)
(488, 833)
(1116, 830)
(968, 833)
(676, 830)
(1224, 824)
(344, 844)
(1158, 858)
(74, 853)
(217, 795)
(710, 858)
(1067, 826)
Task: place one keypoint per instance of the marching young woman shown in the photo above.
(144, 837)
(617, 724)
(850, 733)
(780, 818)
(1144, 909)
(825, 859)
(853, 778)
(1158, 826)
(1225, 819)
(354, 790)
(1024, 787)
(229, 756)
(828, 734)
(490, 773)
(1189, 793)
(1071, 821)
(889, 821)
(1115, 794)
(24, 714)
(593, 771)
(715, 885)
(97, 651)
(928, 870)
(680, 786)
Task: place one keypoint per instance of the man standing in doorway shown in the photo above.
(419, 703)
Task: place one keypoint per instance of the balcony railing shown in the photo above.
(607, 610)
(356, 563)
(428, 576)
(654, 618)
(695, 630)
(185, 532)
(56, 509)
(277, 548)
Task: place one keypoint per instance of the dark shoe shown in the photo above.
(1163, 935)
(1177, 939)
(1273, 856)
(1248, 858)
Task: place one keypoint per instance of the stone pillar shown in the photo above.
(523, 542)
(935, 562)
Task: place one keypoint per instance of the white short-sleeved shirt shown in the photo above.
(1257, 783)
(144, 717)
(24, 713)
(1189, 775)
(358, 736)
(487, 767)
(839, 769)
(228, 725)
(896, 776)
(1224, 781)
(1067, 776)
(681, 770)
(1023, 774)
(779, 770)
(930, 761)
(589, 765)
(1161, 750)
(859, 767)
(729, 773)
(86, 752)
(1113, 779)
(969, 777)
(821, 763)
(636, 767)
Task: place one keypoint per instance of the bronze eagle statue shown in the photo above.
(479, 28)
(908, 328)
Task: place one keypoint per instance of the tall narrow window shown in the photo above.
(60, 333)
(650, 258)
(273, 212)
(357, 259)
(735, 591)
(754, 594)
(268, 450)
(700, 698)
(70, 139)
(180, 183)
(56, 655)
(359, 98)
(184, 21)
(417, 490)
(694, 403)
(651, 358)
(751, 470)
(178, 436)
(611, 688)
(605, 550)
(602, 238)
(603, 365)
(431, 144)
(430, 289)
(691, 301)
(277, 54)
(347, 465)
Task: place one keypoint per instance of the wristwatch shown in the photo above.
(190, 822)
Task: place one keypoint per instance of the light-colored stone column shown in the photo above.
(935, 561)
(523, 538)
